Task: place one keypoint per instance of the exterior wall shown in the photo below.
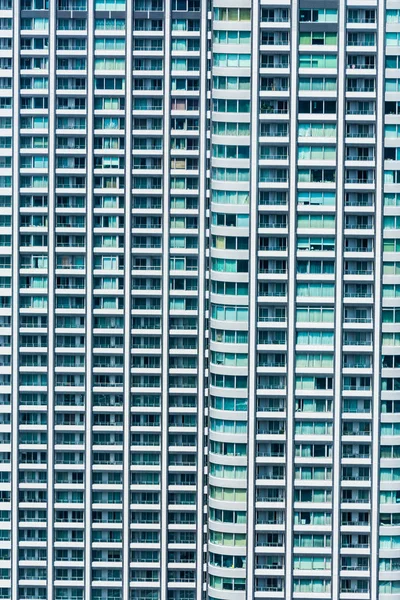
(199, 299)
(108, 290)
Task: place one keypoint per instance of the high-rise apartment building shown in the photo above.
(200, 299)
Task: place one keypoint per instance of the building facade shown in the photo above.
(200, 299)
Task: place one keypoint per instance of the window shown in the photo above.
(109, 5)
(317, 175)
(231, 60)
(315, 289)
(317, 61)
(229, 313)
(316, 244)
(318, 130)
(231, 37)
(319, 15)
(318, 38)
(316, 153)
(232, 14)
